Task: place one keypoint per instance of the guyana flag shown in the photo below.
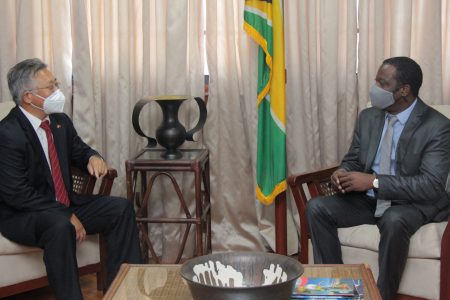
(263, 22)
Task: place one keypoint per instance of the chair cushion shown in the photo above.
(443, 109)
(425, 243)
(420, 277)
(28, 264)
(7, 247)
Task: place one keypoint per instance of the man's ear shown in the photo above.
(27, 97)
(405, 90)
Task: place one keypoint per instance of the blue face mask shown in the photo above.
(381, 98)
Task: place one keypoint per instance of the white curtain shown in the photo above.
(126, 50)
(36, 28)
(230, 133)
(415, 28)
(321, 81)
(445, 52)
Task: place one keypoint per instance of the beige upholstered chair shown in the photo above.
(427, 271)
(23, 267)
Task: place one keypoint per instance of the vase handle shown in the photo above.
(201, 120)
(135, 120)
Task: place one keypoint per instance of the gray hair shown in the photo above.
(20, 77)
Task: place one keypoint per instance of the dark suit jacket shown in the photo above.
(26, 183)
(422, 158)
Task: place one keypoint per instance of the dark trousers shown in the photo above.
(396, 225)
(112, 216)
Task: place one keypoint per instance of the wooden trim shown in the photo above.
(406, 297)
(295, 183)
(123, 271)
(445, 264)
(107, 182)
(370, 281)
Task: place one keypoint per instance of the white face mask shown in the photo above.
(381, 98)
(53, 103)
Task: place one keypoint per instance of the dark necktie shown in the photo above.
(60, 188)
(385, 161)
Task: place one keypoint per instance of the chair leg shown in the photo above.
(101, 276)
(99, 281)
(445, 264)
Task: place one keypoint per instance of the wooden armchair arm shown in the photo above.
(83, 183)
(107, 182)
(318, 184)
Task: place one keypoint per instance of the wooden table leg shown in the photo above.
(198, 209)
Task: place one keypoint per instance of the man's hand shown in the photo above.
(355, 181)
(335, 179)
(97, 166)
(79, 228)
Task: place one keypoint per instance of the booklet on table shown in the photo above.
(327, 288)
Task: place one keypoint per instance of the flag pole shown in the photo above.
(281, 208)
(281, 224)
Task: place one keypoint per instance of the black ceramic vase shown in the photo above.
(170, 134)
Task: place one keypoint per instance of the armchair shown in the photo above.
(427, 271)
(25, 266)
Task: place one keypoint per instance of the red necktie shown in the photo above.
(60, 188)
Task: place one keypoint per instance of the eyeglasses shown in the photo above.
(54, 86)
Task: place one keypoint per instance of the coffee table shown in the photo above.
(164, 282)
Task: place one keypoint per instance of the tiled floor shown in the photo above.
(88, 287)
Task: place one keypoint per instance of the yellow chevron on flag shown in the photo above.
(263, 22)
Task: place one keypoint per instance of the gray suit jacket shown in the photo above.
(422, 159)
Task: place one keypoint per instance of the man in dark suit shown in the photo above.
(394, 174)
(37, 206)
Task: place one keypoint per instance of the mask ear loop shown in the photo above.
(32, 104)
(403, 97)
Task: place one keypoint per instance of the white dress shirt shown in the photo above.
(36, 123)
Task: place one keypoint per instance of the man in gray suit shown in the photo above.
(394, 174)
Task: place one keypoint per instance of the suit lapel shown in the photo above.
(375, 137)
(35, 143)
(414, 120)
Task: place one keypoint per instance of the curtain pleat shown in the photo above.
(404, 28)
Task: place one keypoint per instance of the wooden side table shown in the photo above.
(150, 163)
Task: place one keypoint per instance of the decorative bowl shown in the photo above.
(241, 276)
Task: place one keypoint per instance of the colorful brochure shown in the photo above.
(327, 288)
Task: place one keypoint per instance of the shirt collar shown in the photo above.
(35, 121)
(404, 115)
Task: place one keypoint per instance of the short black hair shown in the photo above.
(20, 77)
(407, 72)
